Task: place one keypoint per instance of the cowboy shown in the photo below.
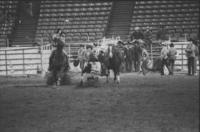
(148, 36)
(137, 35)
(172, 57)
(58, 38)
(92, 64)
(164, 58)
(196, 43)
(58, 35)
(162, 34)
(190, 53)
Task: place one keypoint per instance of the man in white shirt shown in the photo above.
(164, 58)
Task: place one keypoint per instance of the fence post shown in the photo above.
(182, 56)
(151, 52)
(6, 63)
(41, 58)
(69, 52)
(23, 64)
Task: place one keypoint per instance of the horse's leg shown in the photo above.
(61, 76)
(131, 66)
(117, 77)
(140, 64)
(135, 65)
(58, 77)
(54, 76)
(143, 65)
(83, 70)
(81, 83)
(107, 75)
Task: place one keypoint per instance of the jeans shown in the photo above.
(195, 64)
(191, 67)
(164, 63)
(171, 66)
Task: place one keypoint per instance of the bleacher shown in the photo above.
(87, 20)
(179, 17)
(9, 9)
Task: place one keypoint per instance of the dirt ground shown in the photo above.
(139, 103)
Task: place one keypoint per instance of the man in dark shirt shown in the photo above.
(148, 36)
(137, 34)
(162, 34)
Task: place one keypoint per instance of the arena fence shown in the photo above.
(16, 61)
(33, 60)
(181, 59)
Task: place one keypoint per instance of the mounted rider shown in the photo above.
(58, 42)
(137, 35)
(162, 34)
(148, 36)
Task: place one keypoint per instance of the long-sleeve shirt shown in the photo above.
(137, 35)
(172, 53)
(162, 34)
(164, 53)
(190, 50)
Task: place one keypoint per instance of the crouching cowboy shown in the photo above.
(92, 66)
(91, 60)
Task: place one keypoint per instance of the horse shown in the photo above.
(58, 64)
(137, 56)
(112, 60)
(133, 55)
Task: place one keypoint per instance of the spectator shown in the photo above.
(190, 53)
(164, 58)
(172, 57)
(196, 43)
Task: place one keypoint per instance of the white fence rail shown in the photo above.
(29, 60)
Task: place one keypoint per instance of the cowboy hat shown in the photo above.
(137, 28)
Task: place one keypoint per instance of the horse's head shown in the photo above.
(60, 44)
(110, 51)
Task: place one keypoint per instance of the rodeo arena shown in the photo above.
(99, 66)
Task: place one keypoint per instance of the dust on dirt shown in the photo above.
(138, 104)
